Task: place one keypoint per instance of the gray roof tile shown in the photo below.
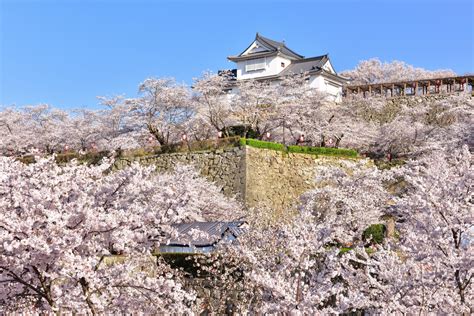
(278, 46)
(273, 46)
(305, 65)
(215, 232)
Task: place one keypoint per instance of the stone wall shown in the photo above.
(217, 300)
(277, 180)
(259, 177)
(225, 167)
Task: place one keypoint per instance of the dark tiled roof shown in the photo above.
(305, 65)
(278, 46)
(215, 232)
(274, 47)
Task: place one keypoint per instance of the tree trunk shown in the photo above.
(460, 286)
(338, 140)
(85, 291)
(323, 141)
(158, 135)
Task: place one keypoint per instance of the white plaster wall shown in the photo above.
(328, 67)
(317, 82)
(275, 65)
(254, 49)
(332, 88)
(272, 67)
(324, 85)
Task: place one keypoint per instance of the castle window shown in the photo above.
(256, 64)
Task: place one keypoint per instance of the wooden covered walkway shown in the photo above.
(414, 87)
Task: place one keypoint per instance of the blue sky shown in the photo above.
(66, 53)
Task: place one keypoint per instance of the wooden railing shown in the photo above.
(412, 87)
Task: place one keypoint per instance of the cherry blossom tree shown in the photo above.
(430, 269)
(14, 137)
(254, 105)
(321, 121)
(50, 130)
(374, 71)
(289, 98)
(76, 239)
(325, 123)
(84, 130)
(119, 128)
(163, 107)
(46, 123)
(430, 125)
(212, 100)
(439, 234)
(39, 126)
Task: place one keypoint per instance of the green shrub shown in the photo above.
(94, 158)
(90, 158)
(139, 152)
(262, 144)
(375, 232)
(66, 157)
(299, 149)
(382, 164)
(172, 148)
(242, 131)
(370, 251)
(323, 151)
(344, 250)
(27, 159)
(201, 145)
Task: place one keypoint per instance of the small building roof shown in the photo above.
(213, 232)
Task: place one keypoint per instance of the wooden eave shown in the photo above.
(252, 56)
